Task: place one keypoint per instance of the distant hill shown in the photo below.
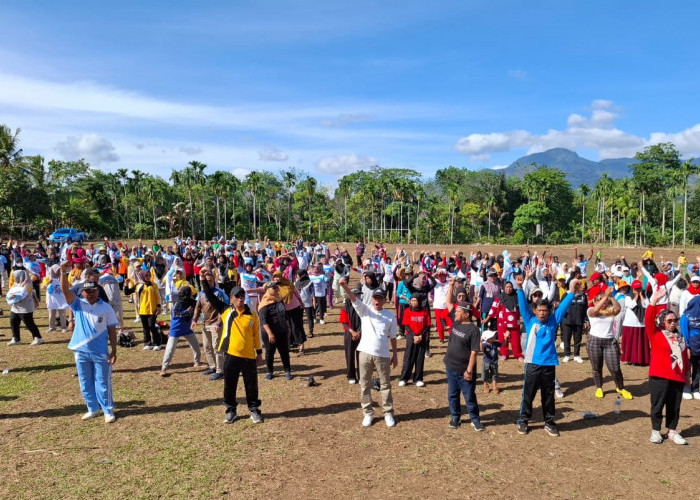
(578, 170)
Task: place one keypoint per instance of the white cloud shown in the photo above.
(92, 147)
(344, 164)
(345, 119)
(499, 167)
(687, 141)
(190, 150)
(272, 154)
(241, 173)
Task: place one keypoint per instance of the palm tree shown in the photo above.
(254, 182)
(688, 168)
(9, 150)
(310, 191)
(289, 179)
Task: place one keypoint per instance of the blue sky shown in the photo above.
(331, 87)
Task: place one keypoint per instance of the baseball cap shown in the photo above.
(695, 278)
(88, 285)
(464, 305)
(379, 292)
(237, 291)
(636, 284)
(487, 334)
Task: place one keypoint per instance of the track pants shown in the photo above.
(538, 377)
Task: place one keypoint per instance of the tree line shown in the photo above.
(652, 206)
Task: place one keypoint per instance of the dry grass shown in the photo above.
(169, 439)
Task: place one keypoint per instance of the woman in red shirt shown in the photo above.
(668, 369)
(416, 319)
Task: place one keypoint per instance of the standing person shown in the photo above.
(181, 326)
(149, 309)
(320, 281)
(291, 298)
(460, 362)
(23, 302)
(352, 327)
(416, 319)
(602, 344)
(378, 331)
(690, 328)
(403, 296)
(442, 316)
(540, 355)
(504, 310)
(488, 293)
(306, 292)
(95, 325)
(489, 366)
(110, 285)
(668, 369)
(273, 319)
(240, 345)
(212, 325)
(388, 279)
(359, 252)
(572, 325)
(55, 301)
(635, 345)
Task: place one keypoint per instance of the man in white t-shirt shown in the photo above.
(378, 327)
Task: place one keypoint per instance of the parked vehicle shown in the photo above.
(68, 234)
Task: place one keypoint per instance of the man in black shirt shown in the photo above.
(460, 361)
(276, 330)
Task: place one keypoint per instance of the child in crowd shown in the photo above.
(416, 319)
(489, 346)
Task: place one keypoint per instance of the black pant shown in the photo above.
(37, 288)
(414, 355)
(389, 287)
(296, 322)
(666, 394)
(399, 318)
(28, 320)
(538, 377)
(321, 306)
(352, 357)
(310, 318)
(148, 321)
(566, 332)
(233, 367)
(359, 261)
(695, 373)
(281, 344)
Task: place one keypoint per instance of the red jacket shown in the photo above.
(660, 364)
(416, 321)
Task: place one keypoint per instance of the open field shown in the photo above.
(169, 439)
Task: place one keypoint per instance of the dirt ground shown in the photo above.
(169, 440)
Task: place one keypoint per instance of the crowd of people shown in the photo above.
(257, 295)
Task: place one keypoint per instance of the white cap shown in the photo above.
(487, 334)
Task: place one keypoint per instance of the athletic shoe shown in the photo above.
(478, 426)
(566, 359)
(427, 354)
(696, 395)
(269, 376)
(37, 341)
(217, 376)
(137, 320)
(367, 420)
(109, 418)
(288, 375)
(208, 371)
(624, 393)
(578, 359)
(455, 423)
(561, 346)
(63, 330)
(687, 395)
(91, 414)
(14, 342)
(599, 392)
(352, 381)
(158, 348)
(676, 437)
(402, 383)
(199, 365)
(656, 437)
(323, 322)
(559, 393)
(551, 429)
(389, 420)
(148, 347)
(420, 383)
(522, 428)
(231, 417)
(256, 417)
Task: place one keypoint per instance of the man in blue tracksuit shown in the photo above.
(540, 354)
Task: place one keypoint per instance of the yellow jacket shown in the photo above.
(149, 298)
(240, 333)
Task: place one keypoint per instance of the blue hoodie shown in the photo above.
(690, 325)
(540, 347)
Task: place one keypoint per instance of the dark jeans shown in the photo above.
(566, 333)
(414, 355)
(233, 368)
(28, 320)
(457, 384)
(399, 318)
(538, 377)
(359, 261)
(321, 306)
(310, 318)
(666, 394)
(352, 356)
(148, 321)
(281, 344)
(389, 287)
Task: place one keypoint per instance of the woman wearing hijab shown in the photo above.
(403, 296)
(635, 345)
(276, 331)
(660, 281)
(668, 369)
(488, 293)
(572, 324)
(370, 283)
(320, 281)
(352, 326)
(306, 293)
(23, 301)
(180, 326)
(55, 300)
(505, 310)
(292, 304)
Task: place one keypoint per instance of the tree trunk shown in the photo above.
(685, 209)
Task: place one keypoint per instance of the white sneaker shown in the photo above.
(402, 383)
(656, 437)
(352, 381)
(566, 359)
(367, 420)
(91, 414)
(323, 321)
(558, 393)
(63, 330)
(14, 342)
(109, 418)
(37, 341)
(578, 359)
(696, 395)
(561, 346)
(676, 437)
(148, 347)
(137, 320)
(158, 348)
(687, 395)
(420, 383)
(389, 420)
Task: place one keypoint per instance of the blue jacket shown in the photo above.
(690, 326)
(540, 347)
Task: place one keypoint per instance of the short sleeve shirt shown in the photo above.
(91, 323)
(464, 338)
(377, 328)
